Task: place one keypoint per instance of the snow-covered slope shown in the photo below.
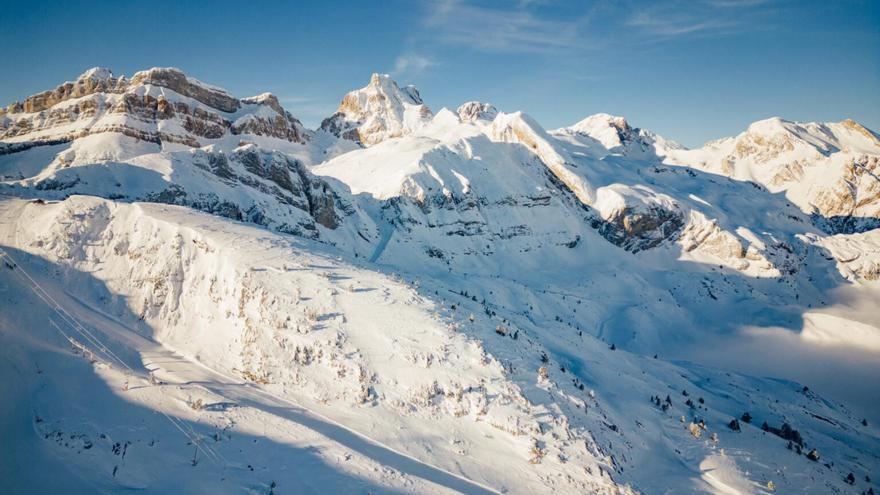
(356, 346)
(416, 373)
(467, 303)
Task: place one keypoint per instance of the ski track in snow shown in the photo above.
(387, 233)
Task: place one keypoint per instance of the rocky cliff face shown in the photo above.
(179, 82)
(377, 112)
(637, 218)
(92, 81)
(157, 106)
(273, 174)
(851, 203)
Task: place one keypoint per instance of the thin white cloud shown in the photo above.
(411, 63)
(543, 27)
(673, 23)
(736, 3)
(707, 17)
(516, 29)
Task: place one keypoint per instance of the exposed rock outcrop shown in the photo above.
(852, 202)
(158, 106)
(95, 80)
(636, 218)
(520, 128)
(177, 81)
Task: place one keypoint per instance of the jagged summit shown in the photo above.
(387, 85)
(378, 111)
(777, 141)
(160, 74)
(94, 80)
(859, 128)
(829, 131)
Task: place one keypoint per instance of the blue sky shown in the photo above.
(690, 70)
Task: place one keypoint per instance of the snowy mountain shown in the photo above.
(158, 107)
(827, 169)
(608, 134)
(402, 301)
(377, 112)
(163, 136)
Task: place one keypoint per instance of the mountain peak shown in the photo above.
(267, 99)
(385, 84)
(162, 75)
(600, 122)
(140, 108)
(176, 80)
(378, 111)
(96, 74)
(476, 110)
(94, 80)
(772, 125)
(612, 134)
(379, 79)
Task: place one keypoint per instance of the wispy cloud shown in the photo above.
(516, 29)
(411, 63)
(705, 17)
(675, 23)
(545, 27)
(736, 3)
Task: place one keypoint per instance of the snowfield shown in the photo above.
(199, 295)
